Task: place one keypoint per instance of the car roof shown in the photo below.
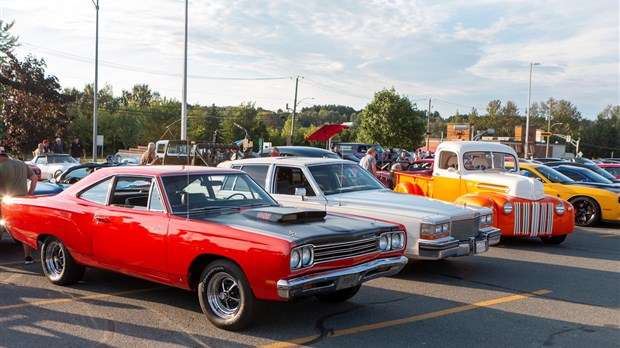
(156, 170)
(291, 160)
(467, 146)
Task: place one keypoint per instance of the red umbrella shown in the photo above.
(326, 132)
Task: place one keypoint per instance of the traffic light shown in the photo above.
(545, 134)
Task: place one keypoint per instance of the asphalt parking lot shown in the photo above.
(522, 293)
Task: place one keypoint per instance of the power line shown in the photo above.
(333, 89)
(144, 70)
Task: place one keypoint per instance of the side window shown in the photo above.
(284, 181)
(155, 202)
(288, 179)
(97, 193)
(131, 192)
(448, 159)
(573, 175)
(256, 172)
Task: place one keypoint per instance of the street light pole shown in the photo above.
(184, 92)
(549, 135)
(294, 110)
(527, 118)
(95, 92)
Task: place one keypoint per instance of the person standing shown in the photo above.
(275, 152)
(46, 147)
(77, 149)
(14, 176)
(57, 148)
(234, 154)
(149, 155)
(39, 151)
(403, 157)
(369, 162)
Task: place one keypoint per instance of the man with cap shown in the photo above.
(14, 176)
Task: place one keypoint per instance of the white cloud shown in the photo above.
(465, 52)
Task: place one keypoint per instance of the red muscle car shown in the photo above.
(186, 227)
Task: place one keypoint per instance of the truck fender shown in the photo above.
(476, 200)
(407, 187)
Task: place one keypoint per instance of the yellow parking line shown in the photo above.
(81, 298)
(336, 333)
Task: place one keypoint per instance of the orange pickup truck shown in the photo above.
(473, 173)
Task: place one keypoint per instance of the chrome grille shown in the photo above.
(345, 250)
(533, 218)
(465, 229)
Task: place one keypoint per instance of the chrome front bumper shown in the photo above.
(447, 247)
(330, 281)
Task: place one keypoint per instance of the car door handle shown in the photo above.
(102, 218)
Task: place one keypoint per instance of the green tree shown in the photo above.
(8, 42)
(602, 137)
(33, 106)
(392, 121)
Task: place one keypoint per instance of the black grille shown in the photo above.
(345, 250)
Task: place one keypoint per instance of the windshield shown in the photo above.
(344, 177)
(209, 191)
(485, 160)
(553, 175)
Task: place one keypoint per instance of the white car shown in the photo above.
(436, 229)
(52, 165)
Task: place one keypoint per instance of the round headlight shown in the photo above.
(396, 241)
(559, 209)
(306, 256)
(507, 208)
(295, 258)
(384, 242)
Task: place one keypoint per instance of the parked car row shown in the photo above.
(307, 223)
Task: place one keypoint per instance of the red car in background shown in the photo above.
(34, 168)
(613, 168)
(423, 167)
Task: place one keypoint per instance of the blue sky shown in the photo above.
(460, 54)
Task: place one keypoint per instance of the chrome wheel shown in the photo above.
(54, 259)
(58, 265)
(223, 295)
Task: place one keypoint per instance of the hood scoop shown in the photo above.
(284, 214)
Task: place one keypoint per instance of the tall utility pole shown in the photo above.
(527, 118)
(428, 127)
(95, 92)
(184, 105)
(294, 111)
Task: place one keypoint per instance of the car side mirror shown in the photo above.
(300, 191)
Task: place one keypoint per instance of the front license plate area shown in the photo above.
(481, 246)
(347, 281)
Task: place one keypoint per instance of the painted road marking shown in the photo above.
(81, 298)
(337, 333)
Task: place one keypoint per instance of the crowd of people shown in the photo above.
(76, 150)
